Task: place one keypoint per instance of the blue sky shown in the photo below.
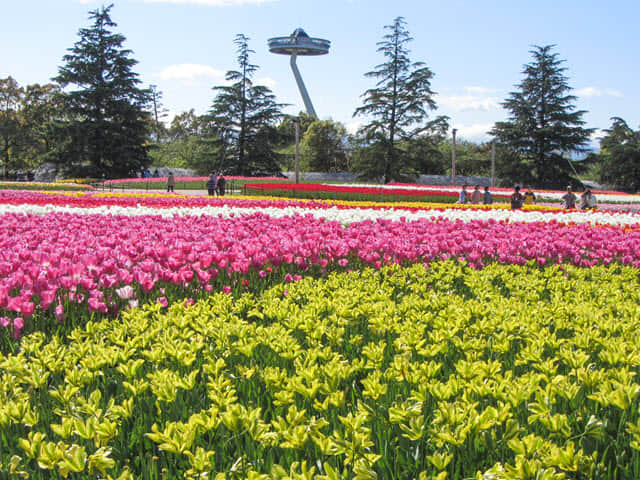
(475, 49)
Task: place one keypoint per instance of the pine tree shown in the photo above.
(243, 115)
(543, 125)
(618, 162)
(107, 129)
(11, 98)
(159, 113)
(398, 106)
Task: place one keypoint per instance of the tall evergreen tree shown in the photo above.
(398, 106)
(107, 132)
(618, 162)
(544, 125)
(243, 115)
(11, 98)
(159, 113)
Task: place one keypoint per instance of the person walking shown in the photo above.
(212, 184)
(487, 199)
(476, 196)
(171, 182)
(517, 200)
(569, 199)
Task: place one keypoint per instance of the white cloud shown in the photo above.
(190, 73)
(353, 127)
(461, 103)
(598, 134)
(213, 3)
(480, 90)
(589, 92)
(596, 92)
(267, 82)
(474, 132)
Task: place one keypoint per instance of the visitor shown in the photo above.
(487, 199)
(529, 197)
(171, 182)
(517, 200)
(222, 182)
(476, 196)
(587, 200)
(462, 198)
(212, 184)
(569, 198)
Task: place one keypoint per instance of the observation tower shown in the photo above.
(299, 43)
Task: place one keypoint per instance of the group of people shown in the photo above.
(587, 199)
(569, 199)
(216, 184)
(476, 196)
(518, 200)
(146, 173)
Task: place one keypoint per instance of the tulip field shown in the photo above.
(158, 336)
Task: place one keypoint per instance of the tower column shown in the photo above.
(303, 90)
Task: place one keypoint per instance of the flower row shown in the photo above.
(542, 195)
(169, 205)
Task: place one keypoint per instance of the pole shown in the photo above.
(493, 163)
(297, 123)
(453, 158)
(303, 90)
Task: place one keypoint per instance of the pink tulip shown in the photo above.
(59, 312)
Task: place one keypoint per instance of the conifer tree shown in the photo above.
(618, 161)
(544, 125)
(107, 126)
(398, 107)
(244, 115)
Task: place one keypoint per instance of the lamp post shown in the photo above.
(297, 124)
(453, 158)
(493, 163)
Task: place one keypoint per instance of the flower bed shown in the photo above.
(54, 186)
(167, 336)
(603, 196)
(57, 261)
(439, 372)
(185, 183)
(380, 193)
(394, 192)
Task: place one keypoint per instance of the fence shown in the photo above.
(231, 186)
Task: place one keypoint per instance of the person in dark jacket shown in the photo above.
(212, 184)
(222, 182)
(517, 199)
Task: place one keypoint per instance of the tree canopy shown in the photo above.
(107, 125)
(543, 127)
(324, 145)
(243, 117)
(397, 107)
(618, 162)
